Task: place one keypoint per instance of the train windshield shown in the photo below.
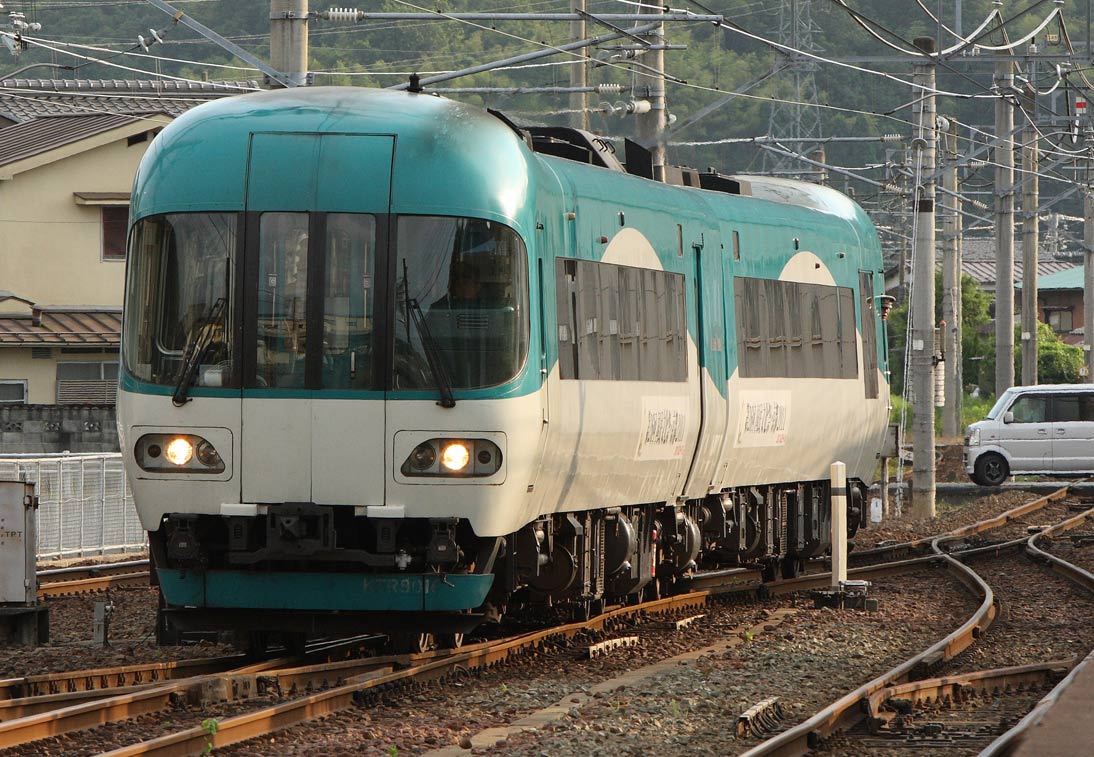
(469, 279)
(311, 320)
(180, 282)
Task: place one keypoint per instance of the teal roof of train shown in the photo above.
(199, 162)
(451, 159)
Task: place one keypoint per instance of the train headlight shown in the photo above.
(177, 453)
(455, 456)
(423, 457)
(180, 451)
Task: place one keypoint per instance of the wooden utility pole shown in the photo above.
(289, 40)
(923, 326)
(1030, 241)
(951, 290)
(1004, 229)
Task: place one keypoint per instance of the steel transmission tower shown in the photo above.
(797, 120)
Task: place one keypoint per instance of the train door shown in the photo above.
(707, 293)
(312, 418)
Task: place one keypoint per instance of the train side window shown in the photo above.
(828, 301)
(815, 353)
(608, 322)
(751, 345)
(869, 333)
(620, 322)
(630, 334)
(776, 328)
(653, 326)
(565, 296)
(795, 358)
(848, 344)
(588, 312)
(736, 246)
(792, 329)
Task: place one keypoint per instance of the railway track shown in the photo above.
(86, 579)
(871, 711)
(303, 692)
(96, 697)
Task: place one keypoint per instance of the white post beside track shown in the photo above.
(839, 524)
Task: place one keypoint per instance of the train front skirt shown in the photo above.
(430, 592)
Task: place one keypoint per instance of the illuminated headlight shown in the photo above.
(464, 458)
(177, 453)
(973, 439)
(455, 456)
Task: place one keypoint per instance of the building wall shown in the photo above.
(52, 246)
(37, 429)
(1063, 298)
(41, 373)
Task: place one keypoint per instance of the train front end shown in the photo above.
(326, 392)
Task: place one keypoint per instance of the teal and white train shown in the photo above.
(392, 363)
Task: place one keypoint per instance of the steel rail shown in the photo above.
(1006, 742)
(106, 678)
(88, 571)
(93, 584)
(124, 689)
(1002, 519)
(291, 713)
(850, 709)
(261, 722)
(956, 687)
(847, 710)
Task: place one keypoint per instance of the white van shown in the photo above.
(1033, 429)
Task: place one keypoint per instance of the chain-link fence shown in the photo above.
(84, 503)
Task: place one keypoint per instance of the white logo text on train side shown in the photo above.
(764, 419)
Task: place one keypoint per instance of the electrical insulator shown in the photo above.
(609, 89)
(891, 137)
(342, 15)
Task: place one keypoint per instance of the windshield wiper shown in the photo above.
(432, 352)
(201, 339)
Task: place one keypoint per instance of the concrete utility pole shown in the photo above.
(1088, 274)
(650, 127)
(923, 326)
(579, 118)
(1030, 242)
(1004, 230)
(289, 40)
(951, 290)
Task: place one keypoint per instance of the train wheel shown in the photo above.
(449, 640)
(295, 643)
(410, 643)
(257, 643)
(770, 570)
(166, 633)
(792, 567)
